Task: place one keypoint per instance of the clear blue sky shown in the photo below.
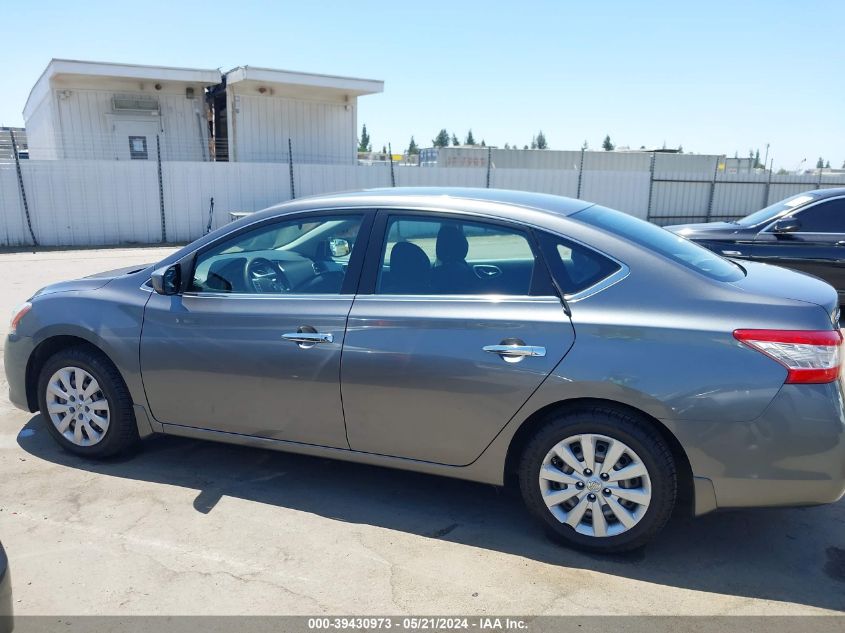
(717, 77)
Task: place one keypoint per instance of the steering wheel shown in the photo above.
(264, 277)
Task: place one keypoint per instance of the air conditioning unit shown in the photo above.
(135, 104)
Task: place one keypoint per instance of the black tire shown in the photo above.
(122, 431)
(617, 424)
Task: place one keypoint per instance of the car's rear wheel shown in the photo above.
(599, 478)
(86, 404)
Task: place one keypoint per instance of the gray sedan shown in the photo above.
(614, 371)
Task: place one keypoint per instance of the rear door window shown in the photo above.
(447, 256)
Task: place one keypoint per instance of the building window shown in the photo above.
(138, 148)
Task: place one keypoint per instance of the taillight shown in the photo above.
(810, 356)
(17, 315)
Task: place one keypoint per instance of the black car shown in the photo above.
(6, 621)
(805, 232)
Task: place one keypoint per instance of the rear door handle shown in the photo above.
(308, 339)
(515, 353)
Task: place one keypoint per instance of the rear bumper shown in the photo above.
(792, 455)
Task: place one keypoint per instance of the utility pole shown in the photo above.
(766, 159)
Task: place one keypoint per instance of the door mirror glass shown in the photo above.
(167, 280)
(787, 225)
(339, 247)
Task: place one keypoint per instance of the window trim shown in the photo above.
(378, 242)
(798, 212)
(353, 271)
(602, 284)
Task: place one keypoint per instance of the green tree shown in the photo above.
(442, 139)
(541, 141)
(524, 147)
(470, 138)
(455, 141)
(483, 144)
(827, 164)
(507, 145)
(607, 145)
(413, 150)
(364, 144)
(757, 158)
(820, 163)
(533, 142)
(384, 149)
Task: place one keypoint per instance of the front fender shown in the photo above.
(109, 318)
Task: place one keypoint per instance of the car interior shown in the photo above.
(453, 258)
(294, 258)
(421, 256)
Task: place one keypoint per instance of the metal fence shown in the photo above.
(104, 202)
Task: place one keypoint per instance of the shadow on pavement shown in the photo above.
(791, 555)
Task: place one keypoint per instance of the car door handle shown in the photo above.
(515, 352)
(486, 271)
(308, 338)
(840, 243)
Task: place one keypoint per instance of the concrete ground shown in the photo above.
(188, 527)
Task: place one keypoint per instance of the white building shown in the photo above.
(318, 113)
(93, 110)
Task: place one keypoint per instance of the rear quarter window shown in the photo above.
(574, 266)
(661, 241)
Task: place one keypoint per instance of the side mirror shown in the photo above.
(167, 280)
(339, 247)
(787, 225)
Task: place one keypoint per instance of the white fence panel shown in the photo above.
(442, 177)
(786, 186)
(189, 187)
(558, 182)
(81, 203)
(737, 199)
(15, 232)
(98, 202)
(677, 202)
(623, 190)
(312, 180)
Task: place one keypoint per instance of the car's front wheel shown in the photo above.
(599, 478)
(86, 404)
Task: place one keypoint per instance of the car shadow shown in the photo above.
(790, 555)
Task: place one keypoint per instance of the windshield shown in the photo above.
(772, 211)
(661, 241)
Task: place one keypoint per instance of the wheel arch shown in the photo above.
(686, 489)
(43, 351)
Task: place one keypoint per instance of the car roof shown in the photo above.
(828, 193)
(436, 198)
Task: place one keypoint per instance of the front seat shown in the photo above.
(410, 270)
(452, 274)
(227, 275)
